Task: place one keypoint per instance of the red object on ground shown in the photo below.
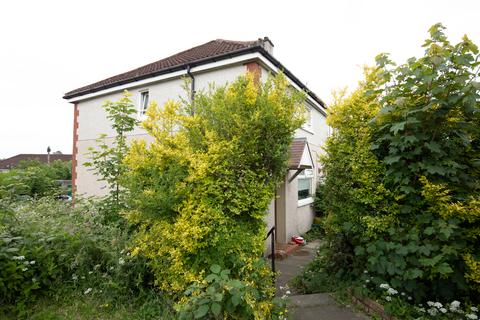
(298, 240)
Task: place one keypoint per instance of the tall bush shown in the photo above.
(402, 174)
(201, 189)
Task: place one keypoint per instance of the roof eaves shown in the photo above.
(256, 48)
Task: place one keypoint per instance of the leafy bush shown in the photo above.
(220, 297)
(47, 248)
(201, 189)
(34, 179)
(402, 175)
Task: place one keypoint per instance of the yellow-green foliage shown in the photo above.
(200, 190)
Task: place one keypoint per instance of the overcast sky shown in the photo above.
(51, 47)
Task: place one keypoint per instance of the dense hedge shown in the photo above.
(201, 189)
(402, 175)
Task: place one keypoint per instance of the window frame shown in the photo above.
(307, 174)
(142, 108)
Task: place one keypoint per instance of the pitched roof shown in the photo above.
(15, 160)
(297, 150)
(208, 52)
(196, 54)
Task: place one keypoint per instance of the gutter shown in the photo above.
(192, 84)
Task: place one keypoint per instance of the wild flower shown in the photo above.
(367, 281)
(443, 310)
(409, 298)
(287, 292)
(87, 291)
(474, 309)
(438, 305)
(32, 262)
(74, 277)
(454, 305)
(391, 291)
(471, 316)
(121, 261)
(90, 272)
(388, 298)
(384, 286)
(19, 258)
(24, 269)
(433, 312)
(365, 271)
(430, 303)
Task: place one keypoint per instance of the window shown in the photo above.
(143, 102)
(307, 125)
(305, 184)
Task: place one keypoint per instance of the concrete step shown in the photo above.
(321, 306)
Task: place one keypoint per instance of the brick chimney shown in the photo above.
(267, 44)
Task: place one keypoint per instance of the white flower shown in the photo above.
(433, 312)
(288, 292)
(409, 298)
(471, 316)
(388, 298)
(430, 303)
(403, 293)
(474, 309)
(438, 305)
(87, 291)
(384, 286)
(454, 305)
(34, 280)
(121, 261)
(74, 277)
(443, 310)
(392, 291)
(421, 309)
(18, 258)
(24, 269)
(111, 268)
(365, 271)
(90, 272)
(32, 262)
(367, 281)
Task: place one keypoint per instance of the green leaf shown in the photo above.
(429, 231)
(359, 251)
(392, 159)
(444, 268)
(399, 126)
(215, 268)
(201, 311)
(236, 299)
(216, 309)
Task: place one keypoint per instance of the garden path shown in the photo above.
(319, 306)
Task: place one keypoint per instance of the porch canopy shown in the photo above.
(300, 157)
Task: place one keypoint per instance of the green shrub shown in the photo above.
(34, 179)
(200, 190)
(402, 175)
(47, 248)
(221, 297)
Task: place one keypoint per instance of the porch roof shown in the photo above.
(300, 155)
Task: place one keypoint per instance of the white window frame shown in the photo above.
(306, 174)
(308, 124)
(142, 109)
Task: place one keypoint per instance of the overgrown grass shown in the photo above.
(76, 306)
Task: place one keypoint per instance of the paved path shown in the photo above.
(319, 306)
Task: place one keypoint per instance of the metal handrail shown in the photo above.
(272, 234)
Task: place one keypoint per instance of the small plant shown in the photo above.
(221, 297)
(107, 158)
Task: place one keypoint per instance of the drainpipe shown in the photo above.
(192, 84)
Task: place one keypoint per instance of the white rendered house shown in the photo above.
(218, 62)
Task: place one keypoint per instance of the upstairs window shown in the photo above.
(144, 96)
